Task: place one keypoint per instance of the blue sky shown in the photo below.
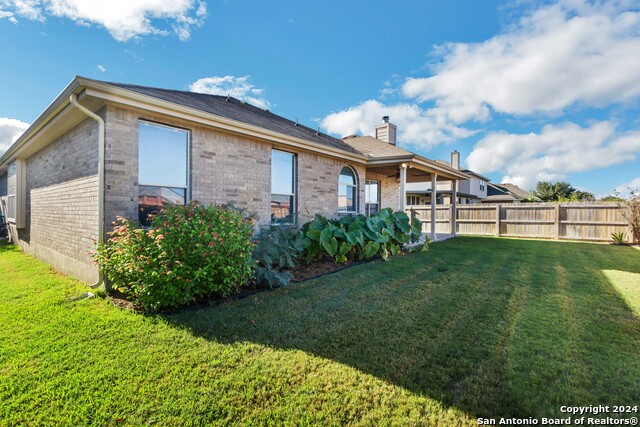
(525, 90)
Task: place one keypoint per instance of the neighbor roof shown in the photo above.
(240, 111)
(514, 189)
(470, 172)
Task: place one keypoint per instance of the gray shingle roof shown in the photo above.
(499, 189)
(235, 109)
(372, 147)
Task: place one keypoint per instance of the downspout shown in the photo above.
(74, 101)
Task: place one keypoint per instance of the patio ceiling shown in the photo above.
(418, 169)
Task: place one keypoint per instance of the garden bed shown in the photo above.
(300, 273)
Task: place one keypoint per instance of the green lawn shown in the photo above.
(475, 327)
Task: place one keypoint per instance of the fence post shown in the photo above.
(558, 223)
(498, 219)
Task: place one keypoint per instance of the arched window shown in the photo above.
(347, 191)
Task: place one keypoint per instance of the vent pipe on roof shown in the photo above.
(386, 131)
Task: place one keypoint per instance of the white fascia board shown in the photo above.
(441, 170)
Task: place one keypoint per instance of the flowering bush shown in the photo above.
(190, 253)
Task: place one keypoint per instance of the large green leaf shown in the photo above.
(346, 220)
(339, 234)
(345, 248)
(313, 235)
(385, 213)
(351, 237)
(328, 242)
(403, 224)
(370, 249)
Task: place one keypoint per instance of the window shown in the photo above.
(283, 187)
(371, 197)
(16, 193)
(413, 200)
(162, 168)
(347, 191)
(482, 183)
(11, 193)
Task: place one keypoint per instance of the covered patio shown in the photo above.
(392, 167)
(416, 169)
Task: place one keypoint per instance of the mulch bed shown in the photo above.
(300, 273)
(319, 268)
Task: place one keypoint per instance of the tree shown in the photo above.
(631, 212)
(560, 192)
(582, 196)
(612, 199)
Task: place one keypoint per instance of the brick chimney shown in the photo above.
(386, 131)
(455, 159)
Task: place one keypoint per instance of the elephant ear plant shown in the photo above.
(276, 252)
(357, 237)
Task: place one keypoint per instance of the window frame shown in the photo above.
(189, 136)
(17, 201)
(355, 193)
(413, 198)
(367, 210)
(294, 195)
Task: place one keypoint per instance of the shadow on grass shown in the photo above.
(494, 327)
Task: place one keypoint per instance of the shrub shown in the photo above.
(631, 213)
(618, 238)
(190, 253)
(360, 237)
(276, 251)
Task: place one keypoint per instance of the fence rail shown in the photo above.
(573, 221)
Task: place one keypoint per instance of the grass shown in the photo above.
(476, 327)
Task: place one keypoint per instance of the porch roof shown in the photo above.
(386, 159)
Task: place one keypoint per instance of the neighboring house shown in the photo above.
(471, 190)
(102, 150)
(505, 193)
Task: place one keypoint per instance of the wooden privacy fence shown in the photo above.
(574, 221)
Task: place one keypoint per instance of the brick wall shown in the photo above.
(318, 185)
(389, 189)
(62, 202)
(225, 168)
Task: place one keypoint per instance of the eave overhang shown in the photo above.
(98, 93)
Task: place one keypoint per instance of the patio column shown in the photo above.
(454, 202)
(403, 185)
(434, 186)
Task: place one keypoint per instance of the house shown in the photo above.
(505, 193)
(471, 190)
(102, 150)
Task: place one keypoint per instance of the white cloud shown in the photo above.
(415, 126)
(568, 55)
(554, 152)
(8, 15)
(10, 130)
(237, 87)
(560, 55)
(101, 68)
(124, 19)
